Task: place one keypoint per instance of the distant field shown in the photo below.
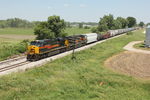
(28, 31)
(15, 34)
(72, 31)
(17, 31)
(85, 78)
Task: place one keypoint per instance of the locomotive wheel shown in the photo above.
(28, 57)
(36, 57)
(68, 48)
(62, 50)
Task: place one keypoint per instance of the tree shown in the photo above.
(141, 24)
(15, 23)
(131, 21)
(106, 23)
(123, 21)
(102, 27)
(94, 30)
(52, 28)
(80, 25)
(35, 23)
(3, 24)
(42, 31)
(68, 24)
(116, 25)
(109, 20)
(56, 25)
(86, 27)
(147, 24)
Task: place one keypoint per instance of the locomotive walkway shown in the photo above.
(130, 47)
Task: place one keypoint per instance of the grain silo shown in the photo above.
(147, 41)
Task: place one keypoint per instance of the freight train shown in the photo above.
(40, 49)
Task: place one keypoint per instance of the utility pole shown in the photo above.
(73, 53)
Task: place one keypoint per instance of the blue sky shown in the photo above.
(74, 10)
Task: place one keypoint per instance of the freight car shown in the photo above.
(91, 37)
(40, 49)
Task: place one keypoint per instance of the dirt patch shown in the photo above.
(131, 63)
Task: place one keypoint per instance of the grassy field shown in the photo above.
(17, 31)
(10, 39)
(73, 31)
(28, 31)
(85, 78)
(8, 49)
(19, 34)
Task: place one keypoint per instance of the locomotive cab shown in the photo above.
(33, 48)
(42, 48)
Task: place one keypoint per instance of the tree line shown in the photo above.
(55, 26)
(108, 22)
(17, 23)
(21, 23)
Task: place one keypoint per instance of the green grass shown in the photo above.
(8, 49)
(73, 31)
(141, 46)
(28, 31)
(17, 31)
(64, 79)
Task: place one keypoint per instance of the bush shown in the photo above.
(94, 30)
(130, 33)
(8, 49)
(22, 46)
(86, 27)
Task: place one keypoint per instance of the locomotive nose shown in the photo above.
(33, 49)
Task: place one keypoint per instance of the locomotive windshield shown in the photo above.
(35, 43)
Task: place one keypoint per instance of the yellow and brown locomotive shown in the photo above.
(39, 49)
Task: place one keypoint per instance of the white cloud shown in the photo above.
(83, 5)
(50, 7)
(66, 5)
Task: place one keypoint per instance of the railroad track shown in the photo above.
(11, 60)
(13, 66)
